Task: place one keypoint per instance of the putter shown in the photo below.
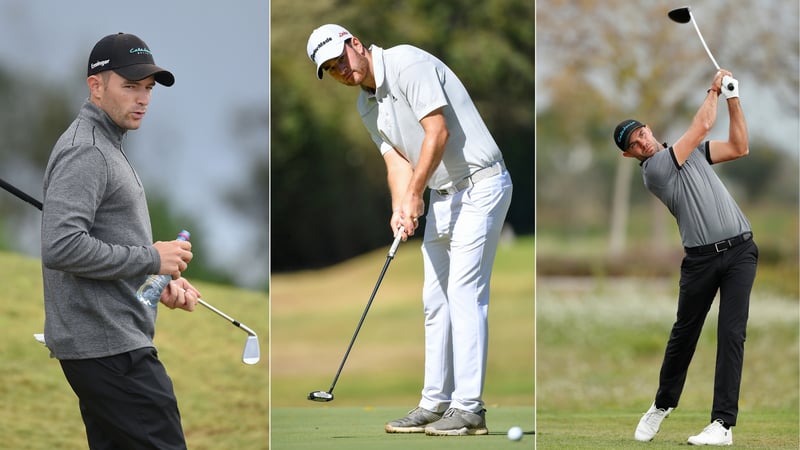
(252, 351)
(326, 396)
(684, 15)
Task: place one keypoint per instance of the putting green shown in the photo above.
(330, 427)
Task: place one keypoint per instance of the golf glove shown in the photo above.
(727, 84)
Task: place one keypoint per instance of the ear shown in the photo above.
(628, 155)
(357, 45)
(95, 83)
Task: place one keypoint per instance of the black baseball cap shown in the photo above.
(622, 133)
(129, 57)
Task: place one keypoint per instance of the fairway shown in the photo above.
(600, 343)
(314, 314)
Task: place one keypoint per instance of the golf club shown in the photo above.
(21, 195)
(326, 396)
(252, 351)
(684, 15)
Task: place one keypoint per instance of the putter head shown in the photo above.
(252, 352)
(680, 15)
(320, 396)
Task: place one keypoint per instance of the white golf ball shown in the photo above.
(515, 433)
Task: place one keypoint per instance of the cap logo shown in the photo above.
(139, 50)
(622, 131)
(319, 46)
(102, 63)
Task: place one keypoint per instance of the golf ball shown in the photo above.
(515, 433)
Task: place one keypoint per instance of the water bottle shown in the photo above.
(149, 292)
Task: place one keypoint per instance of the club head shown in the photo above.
(320, 396)
(39, 338)
(680, 15)
(252, 352)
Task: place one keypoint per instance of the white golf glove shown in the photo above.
(730, 82)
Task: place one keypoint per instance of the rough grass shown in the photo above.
(223, 402)
(600, 344)
(314, 315)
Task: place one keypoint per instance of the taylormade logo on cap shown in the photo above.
(326, 42)
(314, 53)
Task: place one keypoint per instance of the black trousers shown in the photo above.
(732, 272)
(126, 401)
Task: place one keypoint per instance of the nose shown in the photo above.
(144, 97)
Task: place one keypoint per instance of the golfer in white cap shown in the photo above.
(430, 134)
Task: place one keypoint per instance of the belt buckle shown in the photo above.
(720, 250)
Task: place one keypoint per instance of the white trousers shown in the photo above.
(461, 236)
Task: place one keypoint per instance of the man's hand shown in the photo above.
(175, 257)
(730, 82)
(180, 294)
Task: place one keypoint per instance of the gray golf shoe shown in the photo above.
(414, 422)
(457, 422)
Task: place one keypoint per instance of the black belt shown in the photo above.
(719, 247)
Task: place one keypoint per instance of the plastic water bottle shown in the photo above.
(149, 292)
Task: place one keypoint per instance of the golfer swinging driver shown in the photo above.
(720, 254)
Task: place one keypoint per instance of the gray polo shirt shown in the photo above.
(411, 83)
(694, 194)
(96, 244)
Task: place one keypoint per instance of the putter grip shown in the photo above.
(397, 238)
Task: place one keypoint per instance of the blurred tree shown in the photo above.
(30, 122)
(328, 179)
(601, 62)
(166, 224)
(249, 198)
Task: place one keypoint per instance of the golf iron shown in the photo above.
(326, 396)
(252, 351)
(684, 15)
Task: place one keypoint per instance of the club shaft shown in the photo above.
(363, 316)
(21, 195)
(230, 319)
(703, 41)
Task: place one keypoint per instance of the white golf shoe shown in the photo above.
(650, 423)
(713, 434)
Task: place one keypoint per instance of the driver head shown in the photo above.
(680, 15)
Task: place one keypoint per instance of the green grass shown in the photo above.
(766, 430)
(332, 427)
(314, 315)
(223, 402)
(600, 343)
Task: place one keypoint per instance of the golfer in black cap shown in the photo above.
(720, 254)
(97, 249)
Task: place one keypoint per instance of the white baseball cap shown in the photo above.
(326, 42)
